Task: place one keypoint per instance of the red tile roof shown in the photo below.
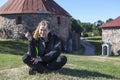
(32, 6)
(113, 23)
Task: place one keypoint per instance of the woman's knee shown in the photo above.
(57, 54)
(25, 57)
(58, 64)
(64, 59)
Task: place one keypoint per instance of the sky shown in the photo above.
(89, 10)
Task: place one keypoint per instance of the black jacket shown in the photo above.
(41, 48)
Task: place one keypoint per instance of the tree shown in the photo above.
(76, 26)
(110, 19)
(99, 23)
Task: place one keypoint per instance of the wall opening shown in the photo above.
(106, 49)
(58, 20)
(19, 20)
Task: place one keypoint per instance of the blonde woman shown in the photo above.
(44, 50)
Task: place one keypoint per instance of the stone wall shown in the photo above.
(112, 36)
(9, 28)
(75, 41)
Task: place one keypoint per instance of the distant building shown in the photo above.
(111, 34)
(19, 15)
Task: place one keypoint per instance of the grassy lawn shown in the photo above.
(10, 51)
(77, 67)
(8, 61)
(17, 47)
(115, 56)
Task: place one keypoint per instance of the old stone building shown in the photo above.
(111, 35)
(16, 16)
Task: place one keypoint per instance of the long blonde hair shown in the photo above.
(43, 23)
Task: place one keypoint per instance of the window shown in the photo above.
(58, 20)
(19, 20)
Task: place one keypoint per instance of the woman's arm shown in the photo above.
(31, 44)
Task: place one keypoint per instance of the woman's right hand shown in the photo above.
(28, 36)
(36, 60)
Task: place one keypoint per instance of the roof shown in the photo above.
(113, 23)
(32, 6)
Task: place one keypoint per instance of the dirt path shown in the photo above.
(89, 48)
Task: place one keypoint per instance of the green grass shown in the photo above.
(8, 61)
(115, 56)
(17, 47)
(77, 67)
(8, 47)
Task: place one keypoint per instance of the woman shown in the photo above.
(44, 50)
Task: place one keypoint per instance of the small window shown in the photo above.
(19, 20)
(58, 20)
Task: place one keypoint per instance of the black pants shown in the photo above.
(56, 64)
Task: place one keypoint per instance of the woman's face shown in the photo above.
(43, 31)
